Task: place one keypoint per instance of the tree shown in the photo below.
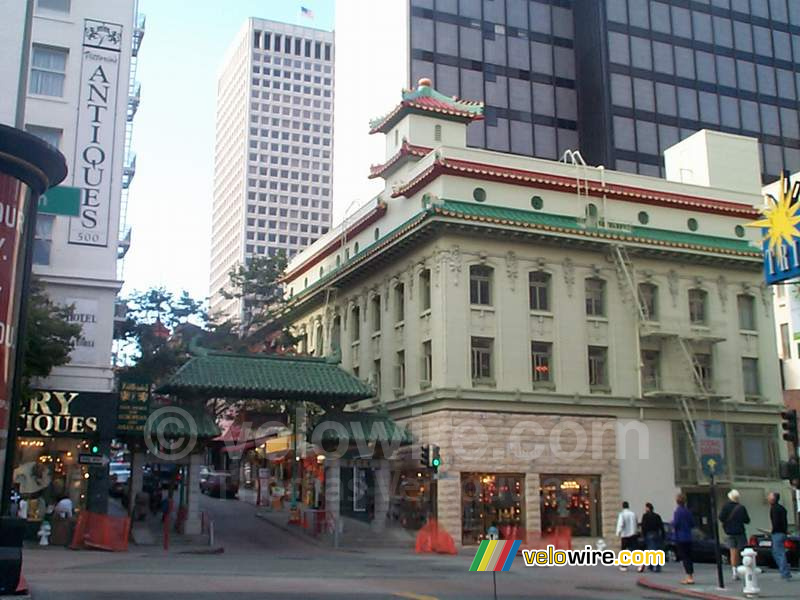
(257, 284)
(152, 319)
(49, 336)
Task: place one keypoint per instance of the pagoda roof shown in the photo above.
(426, 100)
(407, 151)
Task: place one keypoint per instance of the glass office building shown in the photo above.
(621, 80)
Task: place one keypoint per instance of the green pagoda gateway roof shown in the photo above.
(266, 377)
(426, 100)
(366, 427)
(171, 424)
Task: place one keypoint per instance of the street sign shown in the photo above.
(61, 200)
(92, 459)
(711, 446)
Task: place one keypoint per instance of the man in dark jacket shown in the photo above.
(777, 515)
(734, 517)
(653, 532)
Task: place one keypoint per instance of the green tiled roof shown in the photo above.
(268, 377)
(537, 219)
(362, 427)
(181, 421)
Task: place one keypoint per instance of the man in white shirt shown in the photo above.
(627, 528)
(63, 508)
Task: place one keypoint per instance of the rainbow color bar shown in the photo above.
(495, 555)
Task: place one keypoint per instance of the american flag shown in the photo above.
(306, 12)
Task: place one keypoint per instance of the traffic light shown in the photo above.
(94, 448)
(436, 459)
(425, 455)
(789, 426)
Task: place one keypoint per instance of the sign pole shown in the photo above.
(715, 529)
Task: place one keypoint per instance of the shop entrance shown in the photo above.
(571, 501)
(491, 499)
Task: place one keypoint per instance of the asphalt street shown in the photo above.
(261, 561)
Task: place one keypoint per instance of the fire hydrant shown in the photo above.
(44, 534)
(748, 571)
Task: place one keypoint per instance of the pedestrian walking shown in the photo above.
(653, 532)
(734, 517)
(682, 525)
(627, 528)
(780, 525)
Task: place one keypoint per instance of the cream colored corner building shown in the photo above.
(560, 331)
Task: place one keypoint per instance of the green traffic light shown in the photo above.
(436, 462)
(95, 449)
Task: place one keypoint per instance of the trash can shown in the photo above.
(12, 531)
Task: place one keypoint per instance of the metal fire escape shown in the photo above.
(129, 158)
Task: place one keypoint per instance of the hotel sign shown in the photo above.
(781, 244)
(57, 413)
(93, 169)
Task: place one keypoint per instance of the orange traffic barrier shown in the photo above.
(433, 538)
(101, 532)
(560, 538)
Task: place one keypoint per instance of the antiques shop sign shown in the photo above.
(51, 413)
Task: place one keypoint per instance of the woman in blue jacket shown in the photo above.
(682, 525)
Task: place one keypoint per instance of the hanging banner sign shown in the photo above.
(93, 169)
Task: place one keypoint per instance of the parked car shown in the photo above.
(762, 544)
(120, 474)
(702, 547)
(218, 483)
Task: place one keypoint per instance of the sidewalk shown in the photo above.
(770, 582)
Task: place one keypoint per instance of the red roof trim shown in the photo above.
(336, 243)
(432, 105)
(405, 150)
(555, 182)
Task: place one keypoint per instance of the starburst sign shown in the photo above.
(780, 217)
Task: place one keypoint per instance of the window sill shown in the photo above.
(398, 392)
(399, 324)
(540, 313)
(755, 398)
(700, 327)
(425, 313)
(482, 307)
(57, 99)
(376, 335)
(424, 385)
(355, 344)
(544, 385)
(596, 319)
(600, 389)
(748, 332)
(484, 383)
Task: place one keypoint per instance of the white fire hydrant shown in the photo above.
(44, 534)
(748, 571)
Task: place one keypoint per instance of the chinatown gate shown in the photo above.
(328, 443)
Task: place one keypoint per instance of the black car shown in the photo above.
(702, 547)
(762, 544)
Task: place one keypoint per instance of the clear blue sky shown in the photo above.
(173, 136)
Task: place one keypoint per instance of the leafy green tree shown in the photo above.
(49, 336)
(257, 284)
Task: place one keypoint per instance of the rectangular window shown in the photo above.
(481, 358)
(425, 289)
(651, 370)
(697, 307)
(598, 367)
(747, 312)
(376, 376)
(648, 294)
(43, 239)
(595, 297)
(427, 362)
(755, 450)
(750, 374)
(399, 303)
(355, 324)
(400, 370)
(375, 306)
(48, 68)
(786, 349)
(541, 362)
(50, 135)
(56, 5)
(704, 370)
(539, 290)
(480, 285)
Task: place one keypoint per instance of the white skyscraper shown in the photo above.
(272, 173)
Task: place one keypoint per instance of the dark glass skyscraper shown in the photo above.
(621, 80)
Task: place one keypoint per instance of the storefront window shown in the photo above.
(571, 501)
(411, 501)
(46, 470)
(491, 499)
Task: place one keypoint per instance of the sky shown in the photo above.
(169, 205)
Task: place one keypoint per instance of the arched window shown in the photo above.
(318, 340)
(591, 215)
(355, 324)
(336, 334)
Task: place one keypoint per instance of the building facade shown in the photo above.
(619, 80)
(565, 334)
(80, 96)
(272, 169)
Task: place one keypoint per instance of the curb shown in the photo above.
(286, 529)
(216, 550)
(685, 591)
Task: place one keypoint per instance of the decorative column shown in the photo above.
(193, 519)
(137, 480)
(333, 490)
(383, 480)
